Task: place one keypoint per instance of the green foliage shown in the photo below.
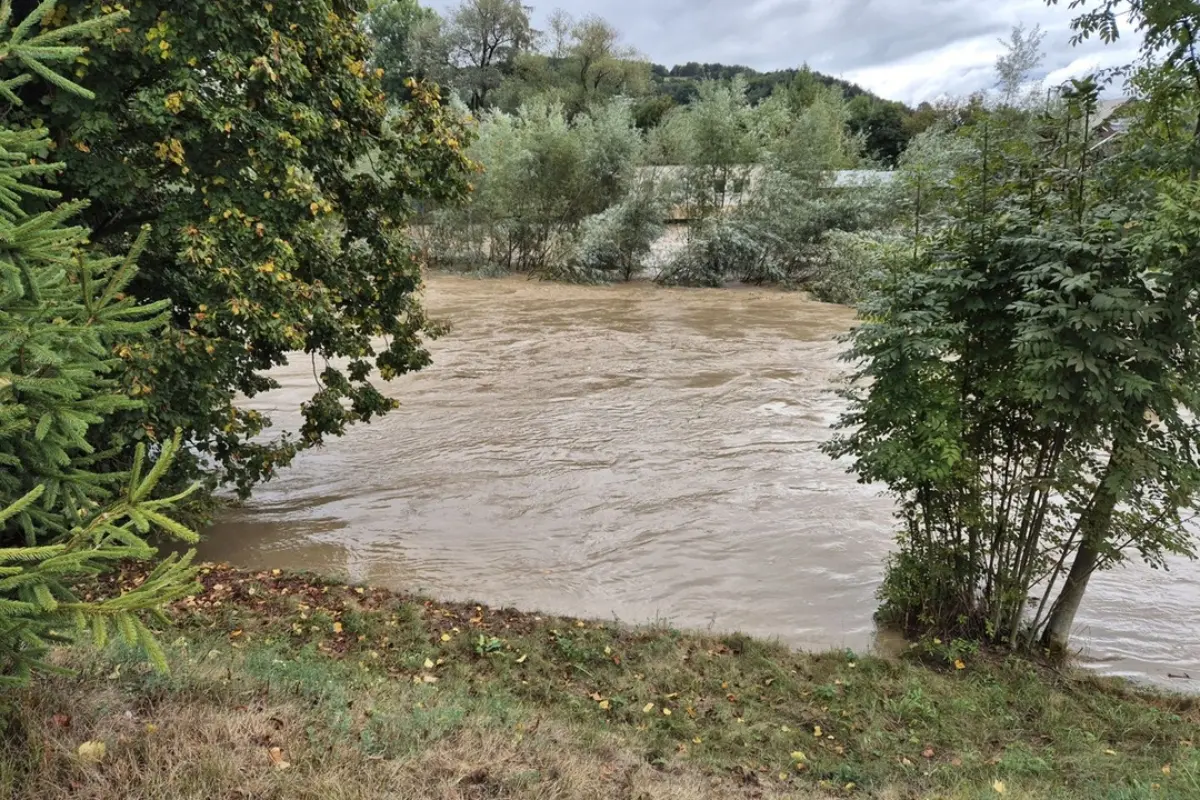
(1027, 374)
(65, 321)
(483, 39)
(240, 132)
(543, 176)
(617, 242)
(399, 31)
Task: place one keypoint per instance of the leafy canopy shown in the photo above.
(258, 144)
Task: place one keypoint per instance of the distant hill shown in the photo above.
(886, 125)
(681, 82)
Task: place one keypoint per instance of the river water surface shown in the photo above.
(636, 452)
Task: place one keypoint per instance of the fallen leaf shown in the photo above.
(648, 708)
(276, 571)
(428, 679)
(235, 634)
(958, 664)
(93, 751)
(783, 776)
(429, 663)
(999, 787)
(1166, 770)
(521, 660)
(666, 712)
(928, 752)
(697, 740)
(1110, 752)
(277, 758)
(798, 756)
(358, 589)
(608, 651)
(597, 696)
(604, 705)
(958, 762)
(337, 627)
(817, 731)
(581, 624)
(850, 786)
(445, 637)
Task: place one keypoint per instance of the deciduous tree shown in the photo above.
(257, 143)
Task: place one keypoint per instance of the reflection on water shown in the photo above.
(633, 452)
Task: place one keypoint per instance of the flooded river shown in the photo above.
(638, 453)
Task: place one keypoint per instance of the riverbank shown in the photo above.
(286, 686)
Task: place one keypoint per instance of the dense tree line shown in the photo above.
(488, 52)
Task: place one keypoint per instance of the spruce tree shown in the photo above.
(66, 329)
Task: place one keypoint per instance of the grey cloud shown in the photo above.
(889, 46)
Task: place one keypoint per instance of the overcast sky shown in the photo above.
(910, 50)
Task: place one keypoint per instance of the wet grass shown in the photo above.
(365, 694)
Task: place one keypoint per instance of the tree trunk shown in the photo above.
(1095, 529)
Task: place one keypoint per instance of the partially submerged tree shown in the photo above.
(1027, 383)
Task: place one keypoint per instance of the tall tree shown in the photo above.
(601, 65)
(485, 36)
(1022, 55)
(257, 143)
(399, 31)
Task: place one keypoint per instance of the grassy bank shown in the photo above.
(287, 687)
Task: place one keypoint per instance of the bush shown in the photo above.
(615, 243)
(716, 250)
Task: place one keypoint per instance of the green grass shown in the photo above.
(367, 694)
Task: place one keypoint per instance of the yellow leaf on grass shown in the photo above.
(648, 708)
(521, 660)
(817, 731)
(1166, 769)
(277, 758)
(445, 637)
(798, 756)
(999, 787)
(93, 751)
(958, 664)
(666, 712)
(697, 740)
(429, 663)
(337, 627)
(604, 705)
(1110, 752)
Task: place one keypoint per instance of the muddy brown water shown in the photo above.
(639, 453)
